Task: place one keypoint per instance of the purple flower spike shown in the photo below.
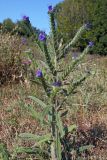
(26, 18)
(57, 84)
(42, 36)
(91, 44)
(50, 9)
(39, 73)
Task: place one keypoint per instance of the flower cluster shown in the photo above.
(39, 73)
(91, 44)
(50, 9)
(42, 36)
(26, 18)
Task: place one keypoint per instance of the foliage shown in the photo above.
(99, 27)
(24, 28)
(70, 15)
(7, 25)
(4, 155)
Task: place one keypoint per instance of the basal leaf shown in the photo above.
(87, 147)
(41, 103)
(72, 127)
(37, 138)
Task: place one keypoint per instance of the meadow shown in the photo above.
(22, 83)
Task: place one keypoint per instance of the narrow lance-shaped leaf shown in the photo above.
(34, 113)
(45, 112)
(72, 127)
(38, 101)
(37, 138)
(29, 150)
(87, 147)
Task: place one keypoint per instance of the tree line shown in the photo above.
(71, 14)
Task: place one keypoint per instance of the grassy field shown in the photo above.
(87, 109)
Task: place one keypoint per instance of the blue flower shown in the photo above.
(91, 44)
(50, 9)
(88, 25)
(42, 36)
(39, 73)
(57, 84)
(26, 18)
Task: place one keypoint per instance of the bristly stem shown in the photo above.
(53, 127)
(48, 59)
(53, 28)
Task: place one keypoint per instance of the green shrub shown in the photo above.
(7, 25)
(72, 14)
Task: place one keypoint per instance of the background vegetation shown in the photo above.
(70, 15)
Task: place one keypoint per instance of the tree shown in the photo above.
(99, 32)
(71, 14)
(8, 25)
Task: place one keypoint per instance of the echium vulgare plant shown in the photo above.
(53, 82)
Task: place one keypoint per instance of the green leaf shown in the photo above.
(34, 114)
(31, 150)
(45, 112)
(60, 125)
(72, 127)
(45, 138)
(4, 155)
(41, 103)
(29, 136)
(58, 146)
(87, 147)
(37, 138)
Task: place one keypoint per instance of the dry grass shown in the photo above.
(87, 108)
